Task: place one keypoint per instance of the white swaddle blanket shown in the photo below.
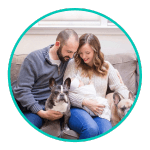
(89, 92)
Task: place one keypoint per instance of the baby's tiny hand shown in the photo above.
(81, 84)
(90, 82)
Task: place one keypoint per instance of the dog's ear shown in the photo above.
(67, 83)
(116, 98)
(52, 82)
(131, 96)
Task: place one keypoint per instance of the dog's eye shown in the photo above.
(123, 108)
(66, 92)
(56, 92)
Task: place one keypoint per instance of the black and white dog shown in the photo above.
(58, 100)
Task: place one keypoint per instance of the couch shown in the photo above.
(125, 63)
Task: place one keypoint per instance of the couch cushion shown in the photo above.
(15, 66)
(138, 78)
(69, 134)
(126, 64)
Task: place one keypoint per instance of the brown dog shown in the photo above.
(119, 106)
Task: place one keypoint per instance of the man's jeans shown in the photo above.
(34, 119)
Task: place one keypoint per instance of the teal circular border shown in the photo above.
(75, 9)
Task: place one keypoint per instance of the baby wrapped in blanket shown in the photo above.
(89, 92)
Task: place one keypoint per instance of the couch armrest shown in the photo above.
(137, 76)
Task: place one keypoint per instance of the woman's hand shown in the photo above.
(94, 106)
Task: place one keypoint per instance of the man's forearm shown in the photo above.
(42, 114)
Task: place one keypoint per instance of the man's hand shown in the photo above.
(50, 114)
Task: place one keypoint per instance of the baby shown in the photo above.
(89, 92)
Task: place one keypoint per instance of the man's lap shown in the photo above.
(34, 119)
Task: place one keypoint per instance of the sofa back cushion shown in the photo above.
(126, 64)
(16, 65)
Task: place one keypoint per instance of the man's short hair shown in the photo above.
(64, 35)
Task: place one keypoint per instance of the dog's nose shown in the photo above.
(61, 94)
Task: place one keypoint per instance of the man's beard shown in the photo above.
(60, 56)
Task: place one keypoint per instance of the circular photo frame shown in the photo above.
(116, 44)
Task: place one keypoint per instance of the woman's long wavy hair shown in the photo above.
(99, 67)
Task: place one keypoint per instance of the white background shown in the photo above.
(112, 39)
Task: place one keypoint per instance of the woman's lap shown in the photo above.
(103, 124)
(81, 122)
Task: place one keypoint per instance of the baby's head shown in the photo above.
(75, 83)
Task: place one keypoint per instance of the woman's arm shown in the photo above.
(120, 78)
(94, 106)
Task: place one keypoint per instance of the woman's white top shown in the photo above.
(100, 83)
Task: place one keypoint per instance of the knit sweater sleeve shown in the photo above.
(25, 81)
(114, 82)
(71, 71)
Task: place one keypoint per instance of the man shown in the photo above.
(31, 89)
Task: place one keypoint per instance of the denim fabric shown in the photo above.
(87, 126)
(34, 119)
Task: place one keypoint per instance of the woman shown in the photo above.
(89, 65)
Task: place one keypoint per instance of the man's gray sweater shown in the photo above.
(31, 88)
